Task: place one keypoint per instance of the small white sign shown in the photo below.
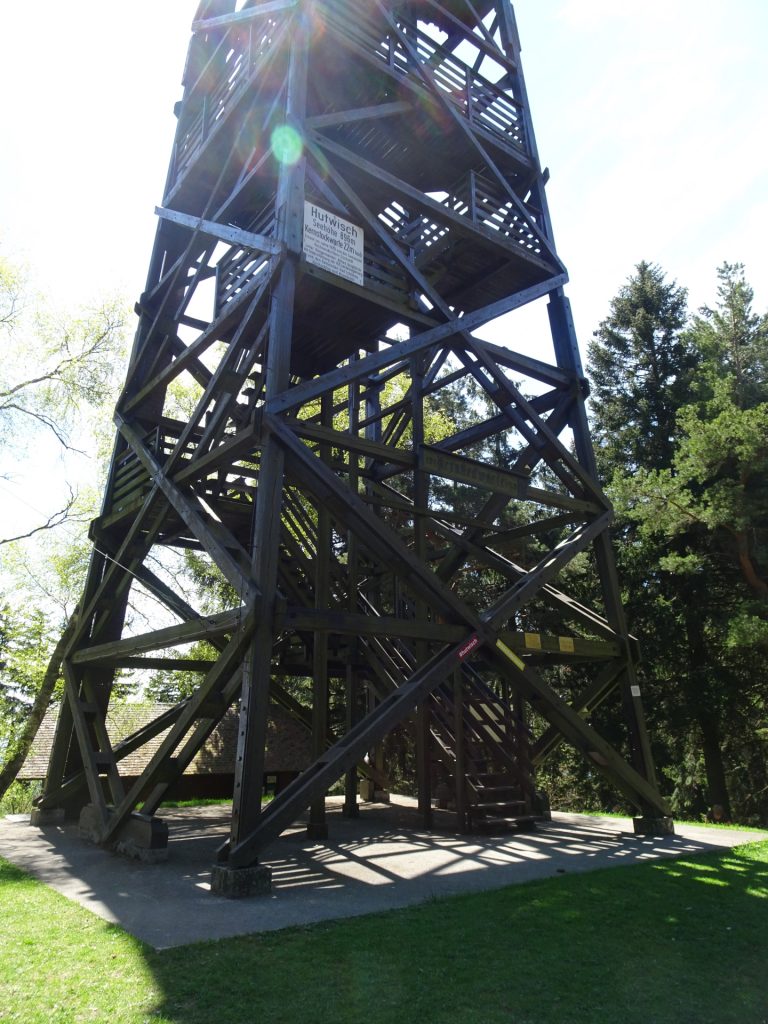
(333, 244)
(635, 691)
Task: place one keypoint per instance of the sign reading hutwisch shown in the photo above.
(332, 243)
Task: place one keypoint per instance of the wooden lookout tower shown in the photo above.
(392, 504)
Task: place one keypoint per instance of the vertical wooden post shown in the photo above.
(254, 706)
(420, 500)
(352, 676)
(373, 432)
(461, 758)
(318, 827)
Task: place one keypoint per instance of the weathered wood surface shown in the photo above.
(304, 469)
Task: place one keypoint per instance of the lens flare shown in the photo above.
(286, 144)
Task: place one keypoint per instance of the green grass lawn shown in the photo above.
(682, 941)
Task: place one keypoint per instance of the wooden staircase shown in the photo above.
(487, 762)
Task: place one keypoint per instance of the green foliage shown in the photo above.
(55, 366)
(26, 637)
(58, 379)
(733, 340)
(18, 798)
(689, 479)
(641, 367)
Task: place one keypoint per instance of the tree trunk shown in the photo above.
(717, 790)
(700, 702)
(18, 755)
(757, 585)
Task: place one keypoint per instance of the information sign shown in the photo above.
(332, 243)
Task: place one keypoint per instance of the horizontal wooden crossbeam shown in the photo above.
(244, 17)
(182, 633)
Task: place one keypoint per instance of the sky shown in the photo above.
(650, 115)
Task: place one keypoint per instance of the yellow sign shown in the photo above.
(517, 662)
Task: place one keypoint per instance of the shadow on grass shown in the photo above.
(672, 942)
(681, 941)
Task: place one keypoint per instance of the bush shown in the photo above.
(18, 797)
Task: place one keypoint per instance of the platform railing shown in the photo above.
(475, 198)
(485, 104)
(218, 87)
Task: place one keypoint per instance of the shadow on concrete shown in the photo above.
(380, 861)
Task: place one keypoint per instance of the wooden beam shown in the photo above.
(516, 485)
(229, 316)
(380, 110)
(221, 546)
(575, 730)
(242, 17)
(362, 368)
(568, 646)
(223, 232)
(228, 665)
(346, 623)
(351, 442)
(165, 664)
(181, 633)
(462, 225)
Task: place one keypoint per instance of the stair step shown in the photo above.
(497, 808)
(491, 779)
(522, 823)
(497, 791)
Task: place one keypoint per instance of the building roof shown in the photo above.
(288, 743)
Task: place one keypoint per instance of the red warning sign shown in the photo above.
(472, 644)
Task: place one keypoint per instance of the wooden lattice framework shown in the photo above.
(310, 471)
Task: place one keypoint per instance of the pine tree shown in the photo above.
(697, 528)
(641, 370)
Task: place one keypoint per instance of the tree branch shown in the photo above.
(62, 516)
(46, 422)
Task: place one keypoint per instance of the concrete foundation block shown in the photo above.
(90, 826)
(540, 806)
(650, 826)
(317, 830)
(143, 838)
(40, 817)
(240, 883)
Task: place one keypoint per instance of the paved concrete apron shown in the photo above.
(382, 860)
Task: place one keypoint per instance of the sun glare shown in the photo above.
(286, 144)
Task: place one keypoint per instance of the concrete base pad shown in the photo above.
(144, 839)
(40, 819)
(238, 883)
(141, 838)
(648, 826)
(380, 861)
(90, 825)
(317, 830)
